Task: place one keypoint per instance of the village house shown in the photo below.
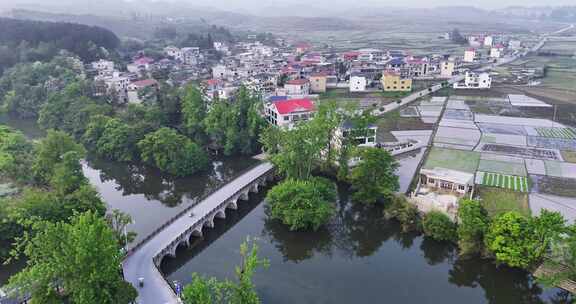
(360, 137)
(174, 53)
(318, 83)
(447, 181)
(143, 90)
(287, 113)
(393, 82)
(488, 41)
(470, 55)
(475, 81)
(447, 67)
(417, 67)
(299, 87)
(358, 84)
(497, 51)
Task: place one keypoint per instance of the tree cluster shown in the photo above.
(242, 291)
(302, 204)
(82, 40)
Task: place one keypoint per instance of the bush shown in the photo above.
(302, 204)
(473, 224)
(438, 226)
(406, 213)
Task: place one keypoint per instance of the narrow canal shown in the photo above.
(358, 258)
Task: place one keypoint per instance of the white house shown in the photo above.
(297, 87)
(447, 67)
(475, 81)
(174, 53)
(446, 180)
(488, 41)
(287, 113)
(497, 51)
(470, 55)
(103, 66)
(358, 84)
(361, 137)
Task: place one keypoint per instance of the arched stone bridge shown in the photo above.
(143, 261)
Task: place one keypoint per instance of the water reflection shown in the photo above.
(358, 258)
(130, 179)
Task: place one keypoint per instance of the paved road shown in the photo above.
(156, 290)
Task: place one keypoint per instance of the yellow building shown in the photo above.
(318, 83)
(392, 82)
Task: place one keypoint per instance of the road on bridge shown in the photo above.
(139, 264)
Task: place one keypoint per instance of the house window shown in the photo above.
(370, 139)
(286, 118)
(446, 185)
(388, 87)
(430, 180)
(461, 187)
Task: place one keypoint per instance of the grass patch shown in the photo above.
(465, 161)
(569, 156)
(497, 201)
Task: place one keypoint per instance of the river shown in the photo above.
(358, 258)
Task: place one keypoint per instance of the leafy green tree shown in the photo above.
(511, 239)
(194, 111)
(49, 153)
(16, 155)
(82, 257)
(439, 226)
(71, 109)
(172, 152)
(243, 291)
(561, 264)
(302, 204)
(547, 227)
(68, 176)
(374, 177)
(472, 226)
(118, 141)
(118, 221)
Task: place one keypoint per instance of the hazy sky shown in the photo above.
(251, 4)
(318, 5)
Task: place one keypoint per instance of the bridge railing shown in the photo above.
(186, 210)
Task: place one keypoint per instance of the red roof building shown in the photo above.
(300, 81)
(294, 105)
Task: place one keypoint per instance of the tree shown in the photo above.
(118, 221)
(194, 111)
(547, 227)
(439, 226)
(562, 260)
(68, 176)
(82, 257)
(172, 152)
(511, 239)
(49, 153)
(302, 204)
(117, 141)
(243, 291)
(472, 226)
(374, 177)
(15, 155)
